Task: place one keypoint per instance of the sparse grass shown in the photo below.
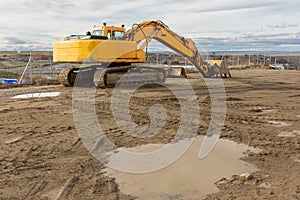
(12, 64)
(36, 80)
(5, 74)
(39, 80)
(15, 64)
(239, 67)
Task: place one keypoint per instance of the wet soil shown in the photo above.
(42, 156)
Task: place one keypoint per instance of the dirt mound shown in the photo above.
(42, 157)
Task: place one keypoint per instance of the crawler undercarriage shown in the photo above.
(101, 76)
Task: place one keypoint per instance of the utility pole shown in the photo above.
(51, 67)
(30, 68)
(28, 64)
(207, 54)
(249, 61)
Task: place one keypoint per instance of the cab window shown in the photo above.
(108, 34)
(98, 32)
(116, 34)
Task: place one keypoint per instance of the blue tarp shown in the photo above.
(8, 81)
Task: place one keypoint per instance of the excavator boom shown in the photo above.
(144, 32)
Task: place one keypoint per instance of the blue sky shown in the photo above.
(216, 25)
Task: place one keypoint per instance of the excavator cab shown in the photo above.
(111, 32)
(100, 45)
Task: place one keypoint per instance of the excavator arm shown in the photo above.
(144, 32)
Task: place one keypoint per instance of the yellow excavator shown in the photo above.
(102, 56)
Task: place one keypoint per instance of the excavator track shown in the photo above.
(67, 76)
(100, 79)
(109, 77)
(83, 75)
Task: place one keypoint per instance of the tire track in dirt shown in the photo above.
(40, 149)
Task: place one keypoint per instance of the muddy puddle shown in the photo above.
(187, 178)
(292, 133)
(278, 123)
(36, 95)
(263, 110)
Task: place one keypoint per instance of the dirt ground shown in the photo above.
(42, 157)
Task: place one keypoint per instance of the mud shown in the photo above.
(189, 176)
(42, 157)
(36, 95)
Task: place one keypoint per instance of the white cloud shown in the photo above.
(41, 22)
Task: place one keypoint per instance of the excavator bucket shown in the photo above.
(177, 72)
(219, 67)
